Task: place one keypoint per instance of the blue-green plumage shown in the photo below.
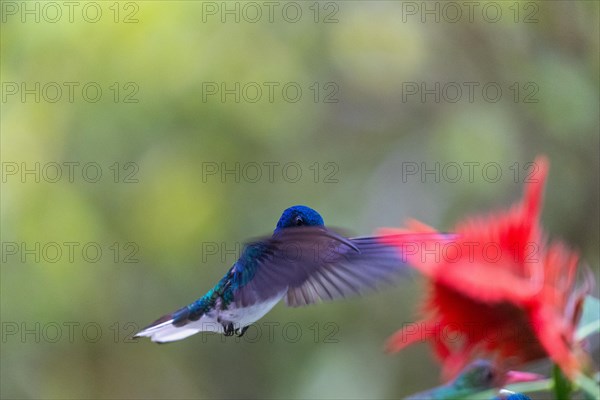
(518, 396)
(303, 262)
(514, 396)
(240, 274)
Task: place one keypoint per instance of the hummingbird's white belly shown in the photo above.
(212, 321)
(241, 317)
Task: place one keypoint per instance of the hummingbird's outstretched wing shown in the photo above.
(303, 264)
(312, 264)
(346, 271)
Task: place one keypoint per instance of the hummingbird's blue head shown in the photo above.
(299, 216)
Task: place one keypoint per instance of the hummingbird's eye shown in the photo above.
(489, 376)
(299, 221)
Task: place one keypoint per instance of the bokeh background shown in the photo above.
(155, 133)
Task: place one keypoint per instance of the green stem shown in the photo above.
(562, 386)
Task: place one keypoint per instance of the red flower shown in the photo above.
(495, 288)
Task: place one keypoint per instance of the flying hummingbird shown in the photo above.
(303, 262)
(479, 376)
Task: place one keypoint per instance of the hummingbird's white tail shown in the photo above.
(163, 331)
(177, 326)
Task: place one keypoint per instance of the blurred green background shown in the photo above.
(155, 131)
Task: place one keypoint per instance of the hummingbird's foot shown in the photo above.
(228, 329)
(240, 332)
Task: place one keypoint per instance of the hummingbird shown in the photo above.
(479, 376)
(303, 262)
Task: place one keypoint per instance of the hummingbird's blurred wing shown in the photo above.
(312, 264)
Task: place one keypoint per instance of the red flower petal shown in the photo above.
(496, 287)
